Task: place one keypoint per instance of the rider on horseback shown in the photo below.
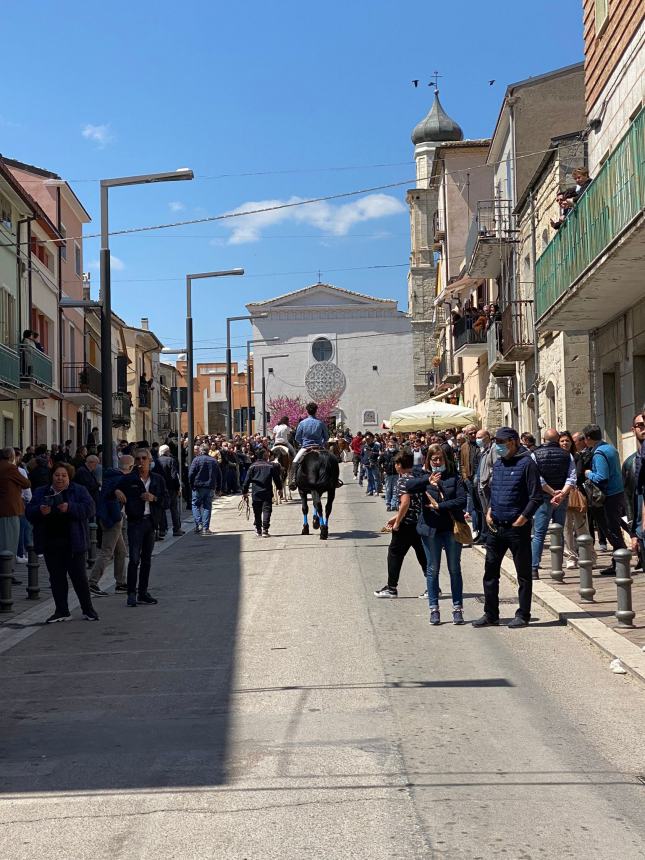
(282, 435)
(310, 433)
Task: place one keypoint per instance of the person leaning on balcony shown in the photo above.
(12, 506)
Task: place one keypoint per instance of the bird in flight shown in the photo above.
(490, 83)
(416, 83)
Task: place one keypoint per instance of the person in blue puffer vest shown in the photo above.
(516, 494)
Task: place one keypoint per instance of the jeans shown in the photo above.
(518, 540)
(61, 564)
(113, 548)
(202, 503)
(608, 520)
(391, 499)
(544, 515)
(433, 544)
(141, 540)
(405, 537)
(473, 506)
(356, 462)
(371, 478)
(262, 514)
(25, 537)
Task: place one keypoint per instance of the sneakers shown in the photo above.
(90, 615)
(608, 571)
(457, 615)
(198, 529)
(435, 618)
(178, 533)
(22, 559)
(602, 547)
(518, 621)
(386, 591)
(132, 600)
(572, 564)
(146, 599)
(265, 533)
(535, 573)
(94, 588)
(207, 532)
(423, 596)
(121, 586)
(258, 533)
(485, 621)
(58, 616)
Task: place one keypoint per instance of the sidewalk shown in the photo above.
(596, 622)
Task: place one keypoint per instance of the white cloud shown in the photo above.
(335, 219)
(99, 134)
(176, 206)
(116, 264)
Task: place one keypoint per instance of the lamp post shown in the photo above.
(264, 389)
(189, 348)
(106, 295)
(229, 386)
(249, 389)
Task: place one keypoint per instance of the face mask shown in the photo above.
(437, 470)
(480, 443)
(502, 450)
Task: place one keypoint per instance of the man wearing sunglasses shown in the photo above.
(516, 494)
(145, 497)
(634, 480)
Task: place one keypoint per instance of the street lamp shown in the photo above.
(264, 389)
(189, 348)
(229, 387)
(106, 294)
(249, 391)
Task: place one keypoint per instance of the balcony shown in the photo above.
(82, 383)
(144, 400)
(469, 341)
(36, 373)
(446, 373)
(164, 422)
(121, 409)
(518, 331)
(490, 238)
(498, 365)
(9, 373)
(592, 270)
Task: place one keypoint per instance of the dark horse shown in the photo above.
(318, 474)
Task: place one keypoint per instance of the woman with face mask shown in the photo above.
(444, 503)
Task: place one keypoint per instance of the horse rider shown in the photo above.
(310, 433)
(282, 435)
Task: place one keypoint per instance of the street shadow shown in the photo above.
(139, 700)
(355, 534)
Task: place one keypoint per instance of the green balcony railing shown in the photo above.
(614, 198)
(35, 366)
(9, 367)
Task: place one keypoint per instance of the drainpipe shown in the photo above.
(61, 316)
(19, 254)
(593, 368)
(511, 101)
(29, 310)
(536, 351)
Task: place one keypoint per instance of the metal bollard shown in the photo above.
(91, 555)
(585, 564)
(6, 565)
(33, 565)
(624, 612)
(556, 535)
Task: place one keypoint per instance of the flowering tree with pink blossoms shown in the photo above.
(295, 409)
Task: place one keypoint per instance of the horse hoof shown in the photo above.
(316, 523)
(324, 531)
(305, 530)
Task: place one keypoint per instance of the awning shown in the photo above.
(431, 415)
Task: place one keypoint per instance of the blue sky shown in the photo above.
(286, 93)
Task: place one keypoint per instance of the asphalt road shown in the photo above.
(271, 707)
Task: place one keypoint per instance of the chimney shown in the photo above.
(145, 323)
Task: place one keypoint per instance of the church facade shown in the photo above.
(325, 342)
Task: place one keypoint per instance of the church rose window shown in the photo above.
(322, 349)
(324, 380)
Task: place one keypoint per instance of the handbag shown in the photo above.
(461, 532)
(577, 501)
(595, 496)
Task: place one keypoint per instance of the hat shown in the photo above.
(505, 434)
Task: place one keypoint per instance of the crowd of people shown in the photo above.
(445, 491)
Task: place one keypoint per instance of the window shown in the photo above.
(601, 10)
(63, 244)
(322, 349)
(7, 319)
(78, 262)
(39, 250)
(369, 417)
(7, 430)
(5, 213)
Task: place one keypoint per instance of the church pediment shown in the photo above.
(321, 296)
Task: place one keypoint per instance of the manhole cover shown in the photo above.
(480, 598)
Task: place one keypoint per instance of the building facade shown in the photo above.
(334, 343)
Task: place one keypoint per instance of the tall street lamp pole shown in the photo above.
(229, 380)
(249, 389)
(189, 349)
(106, 296)
(264, 389)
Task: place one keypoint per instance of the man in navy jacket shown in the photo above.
(204, 477)
(516, 494)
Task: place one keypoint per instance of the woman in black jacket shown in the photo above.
(444, 503)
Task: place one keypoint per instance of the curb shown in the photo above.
(606, 640)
